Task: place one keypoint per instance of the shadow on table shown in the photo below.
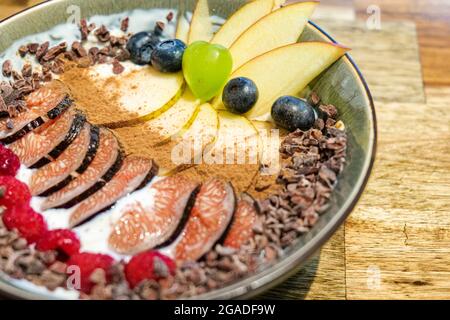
(297, 286)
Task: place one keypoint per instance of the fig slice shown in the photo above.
(77, 125)
(106, 163)
(132, 174)
(37, 144)
(55, 174)
(209, 220)
(241, 229)
(143, 227)
(44, 104)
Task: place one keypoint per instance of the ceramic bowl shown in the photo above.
(342, 85)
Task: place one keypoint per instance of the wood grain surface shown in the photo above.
(396, 243)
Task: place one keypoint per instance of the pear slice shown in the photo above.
(144, 94)
(286, 71)
(270, 137)
(201, 24)
(194, 140)
(237, 141)
(182, 32)
(203, 129)
(202, 134)
(241, 20)
(277, 29)
(177, 118)
(277, 4)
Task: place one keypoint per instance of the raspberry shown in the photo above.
(88, 263)
(9, 162)
(64, 241)
(13, 192)
(29, 224)
(150, 265)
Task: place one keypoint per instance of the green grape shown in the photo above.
(206, 68)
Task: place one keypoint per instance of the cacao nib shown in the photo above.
(23, 50)
(42, 50)
(124, 24)
(7, 68)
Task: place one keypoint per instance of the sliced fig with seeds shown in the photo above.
(92, 149)
(77, 125)
(241, 229)
(208, 221)
(104, 166)
(57, 173)
(43, 105)
(39, 143)
(143, 227)
(131, 175)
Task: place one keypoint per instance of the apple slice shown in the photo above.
(241, 20)
(201, 24)
(286, 71)
(177, 118)
(277, 29)
(144, 95)
(182, 32)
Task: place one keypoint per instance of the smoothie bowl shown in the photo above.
(173, 149)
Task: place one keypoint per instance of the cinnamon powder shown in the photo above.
(99, 105)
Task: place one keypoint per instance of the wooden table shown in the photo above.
(396, 244)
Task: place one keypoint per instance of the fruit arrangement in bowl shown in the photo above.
(161, 154)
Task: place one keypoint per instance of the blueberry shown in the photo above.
(141, 46)
(240, 95)
(293, 113)
(168, 55)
